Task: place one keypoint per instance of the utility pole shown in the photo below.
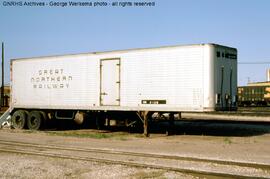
(2, 88)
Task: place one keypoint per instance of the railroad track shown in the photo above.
(197, 166)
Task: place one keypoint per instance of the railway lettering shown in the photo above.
(51, 86)
(51, 79)
(50, 71)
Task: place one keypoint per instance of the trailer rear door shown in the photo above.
(110, 82)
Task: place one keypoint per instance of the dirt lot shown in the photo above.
(234, 141)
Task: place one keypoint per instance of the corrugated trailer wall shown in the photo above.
(179, 78)
(59, 82)
(172, 75)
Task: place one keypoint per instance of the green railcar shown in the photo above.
(254, 96)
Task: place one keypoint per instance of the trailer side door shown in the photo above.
(110, 82)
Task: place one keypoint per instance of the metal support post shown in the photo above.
(180, 115)
(170, 130)
(2, 87)
(145, 124)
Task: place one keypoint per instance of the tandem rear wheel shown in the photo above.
(36, 120)
(19, 119)
(33, 120)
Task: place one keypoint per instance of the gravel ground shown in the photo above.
(24, 166)
(246, 142)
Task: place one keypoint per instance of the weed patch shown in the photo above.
(227, 140)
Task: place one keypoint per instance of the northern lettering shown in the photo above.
(51, 79)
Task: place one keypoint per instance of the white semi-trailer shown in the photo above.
(190, 78)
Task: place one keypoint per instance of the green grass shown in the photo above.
(29, 131)
(227, 140)
(123, 136)
(81, 135)
(93, 135)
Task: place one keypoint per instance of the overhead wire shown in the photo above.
(253, 63)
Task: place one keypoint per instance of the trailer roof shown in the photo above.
(125, 50)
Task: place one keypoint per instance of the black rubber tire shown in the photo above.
(19, 119)
(35, 120)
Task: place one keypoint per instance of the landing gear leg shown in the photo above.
(145, 124)
(171, 127)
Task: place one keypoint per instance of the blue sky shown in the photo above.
(42, 31)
